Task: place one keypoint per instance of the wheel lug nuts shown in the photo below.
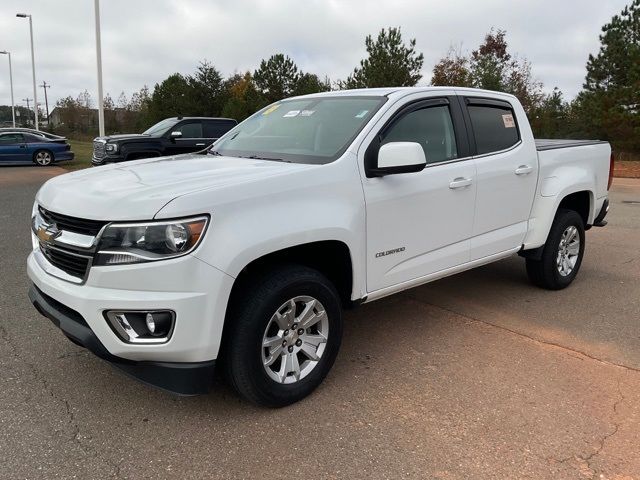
(300, 331)
(298, 343)
(294, 326)
(284, 343)
(290, 348)
(286, 332)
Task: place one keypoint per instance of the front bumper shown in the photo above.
(182, 378)
(194, 290)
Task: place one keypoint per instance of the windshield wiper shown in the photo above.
(214, 152)
(257, 157)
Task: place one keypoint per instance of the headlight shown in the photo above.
(150, 241)
(111, 147)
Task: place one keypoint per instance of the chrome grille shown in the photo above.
(66, 243)
(98, 150)
(71, 263)
(72, 224)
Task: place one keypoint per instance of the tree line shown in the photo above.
(608, 106)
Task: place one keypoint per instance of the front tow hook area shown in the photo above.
(182, 378)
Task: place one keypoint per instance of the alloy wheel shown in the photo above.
(295, 339)
(568, 251)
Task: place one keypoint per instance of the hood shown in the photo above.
(124, 136)
(138, 190)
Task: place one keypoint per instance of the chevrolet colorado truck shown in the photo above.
(242, 256)
(171, 136)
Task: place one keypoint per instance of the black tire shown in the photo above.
(545, 272)
(248, 319)
(48, 154)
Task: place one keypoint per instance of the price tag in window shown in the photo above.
(508, 121)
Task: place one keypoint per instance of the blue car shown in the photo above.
(18, 148)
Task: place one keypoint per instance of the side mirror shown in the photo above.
(175, 135)
(398, 157)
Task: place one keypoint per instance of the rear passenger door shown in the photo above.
(214, 129)
(507, 174)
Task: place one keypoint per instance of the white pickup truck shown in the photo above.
(245, 253)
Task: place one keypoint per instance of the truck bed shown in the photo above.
(552, 144)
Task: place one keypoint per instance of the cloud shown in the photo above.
(144, 41)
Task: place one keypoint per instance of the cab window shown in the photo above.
(431, 127)
(11, 138)
(494, 128)
(190, 129)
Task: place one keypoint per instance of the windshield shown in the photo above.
(307, 130)
(160, 127)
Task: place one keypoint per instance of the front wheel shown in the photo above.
(285, 332)
(43, 158)
(562, 253)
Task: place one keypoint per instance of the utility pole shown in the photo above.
(46, 101)
(27, 100)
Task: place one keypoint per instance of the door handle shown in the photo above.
(524, 170)
(200, 144)
(459, 182)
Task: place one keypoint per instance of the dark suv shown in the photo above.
(171, 136)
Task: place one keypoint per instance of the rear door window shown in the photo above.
(216, 129)
(494, 127)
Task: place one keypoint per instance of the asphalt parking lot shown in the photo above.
(479, 375)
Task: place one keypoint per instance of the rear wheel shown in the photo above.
(562, 253)
(43, 158)
(285, 332)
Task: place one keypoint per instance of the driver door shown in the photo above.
(421, 223)
(191, 140)
(13, 148)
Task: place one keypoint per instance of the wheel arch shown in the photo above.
(579, 198)
(332, 258)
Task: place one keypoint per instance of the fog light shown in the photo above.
(142, 326)
(151, 325)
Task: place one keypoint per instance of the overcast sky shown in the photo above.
(143, 41)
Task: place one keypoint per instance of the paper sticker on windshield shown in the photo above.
(291, 113)
(270, 109)
(508, 121)
(307, 113)
(362, 113)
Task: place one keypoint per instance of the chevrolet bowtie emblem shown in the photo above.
(46, 233)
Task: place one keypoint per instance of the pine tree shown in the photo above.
(390, 63)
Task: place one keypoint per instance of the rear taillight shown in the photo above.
(612, 162)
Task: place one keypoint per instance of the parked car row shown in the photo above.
(24, 146)
(171, 136)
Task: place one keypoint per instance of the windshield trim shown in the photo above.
(298, 157)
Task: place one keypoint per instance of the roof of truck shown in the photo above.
(400, 91)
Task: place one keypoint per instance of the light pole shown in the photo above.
(33, 68)
(96, 5)
(13, 108)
